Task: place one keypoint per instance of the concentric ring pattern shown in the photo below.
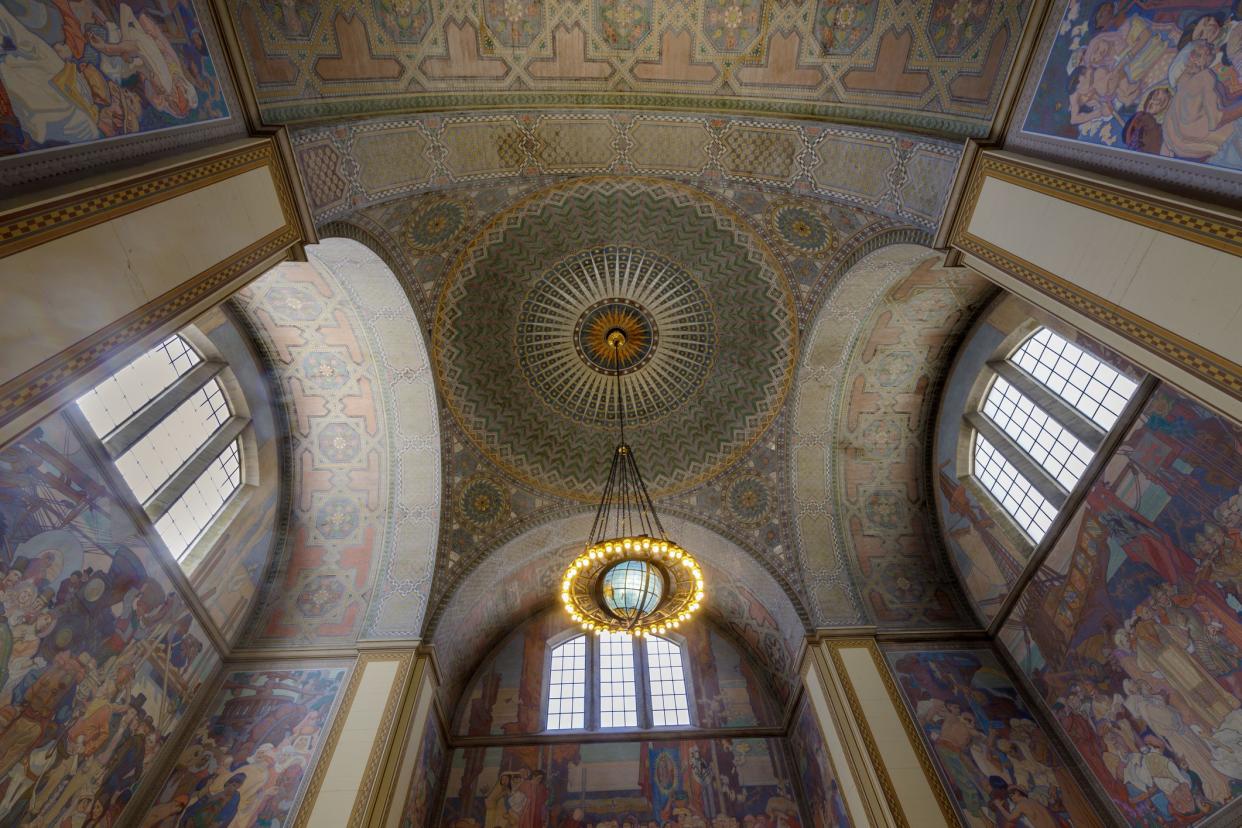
(664, 314)
(520, 338)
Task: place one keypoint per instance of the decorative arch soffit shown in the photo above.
(349, 361)
(521, 577)
(930, 66)
(876, 356)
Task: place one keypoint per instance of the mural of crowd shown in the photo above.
(994, 758)
(246, 762)
(704, 783)
(420, 804)
(821, 791)
(1132, 629)
(73, 71)
(1153, 76)
(99, 655)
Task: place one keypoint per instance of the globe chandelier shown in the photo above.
(630, 578)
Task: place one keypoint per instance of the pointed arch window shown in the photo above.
(174, 435)
(613, 681)
(1046, 411)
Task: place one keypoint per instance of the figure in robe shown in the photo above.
(215, 810)
(535, 812)
(51, 104)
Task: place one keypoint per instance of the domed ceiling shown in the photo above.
(647, 177)
(519, 339)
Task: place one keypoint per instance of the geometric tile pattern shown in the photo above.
(347, 166)
(351, 368)
(927, 66)
(868, 387)
(688, 425)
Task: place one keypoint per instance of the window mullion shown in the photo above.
(1044, 483)
(642, 682)
(122, 438)
(1070, 418)
(181, 480)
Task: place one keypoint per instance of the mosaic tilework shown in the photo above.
(923, 65)
(687, 424)
(347, 166)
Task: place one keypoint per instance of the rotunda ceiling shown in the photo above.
(519, 339)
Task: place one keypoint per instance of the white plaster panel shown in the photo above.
(910, 782)
(67, 289)
(1190, 289)
(358, 735)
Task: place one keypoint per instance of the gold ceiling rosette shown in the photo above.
(630, 578)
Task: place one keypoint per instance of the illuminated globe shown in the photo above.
(632, 589)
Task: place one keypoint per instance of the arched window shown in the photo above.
(174, 436)
(1046, 411)
(616, 681)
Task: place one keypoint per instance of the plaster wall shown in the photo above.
(67, 289)
(1148, 275)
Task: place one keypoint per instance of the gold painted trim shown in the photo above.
(1214, 229)
(860, 719)
(32, 226)
(41, 382)
(1197, 227)
(404, 659)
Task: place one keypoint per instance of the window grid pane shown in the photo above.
(1013, 491)
(1083, 381)
(114, 400)
(667, 680)
(162, 450)
(186, 519)
(618, 705)
(567, 686)
(1060, 453)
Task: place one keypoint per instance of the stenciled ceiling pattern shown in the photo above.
(363, 515)
(934, 66)
(868, 385)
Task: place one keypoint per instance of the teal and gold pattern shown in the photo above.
(435, 222)
(801, 228)
(662, 311)
(714, 317)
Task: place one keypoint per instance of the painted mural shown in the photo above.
(248, 758)
(821, 791)
(1146, 76)
(99, 655)
(75, 71)
(428, 774)
(723, 783)
(505, 696)
(991, 753)
(1132, 628)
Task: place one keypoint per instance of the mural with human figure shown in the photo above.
(1132, 628)
(993, 755)
(428, 773)
(1146, 76)
(821, 790)
(76, 71)
(249, 756)
(683, 784)
(99, 655)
